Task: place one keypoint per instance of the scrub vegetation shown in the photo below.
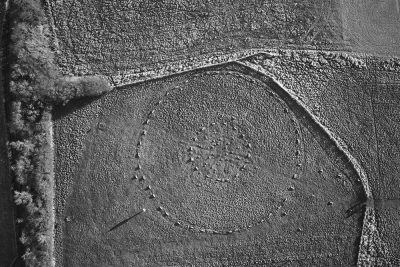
(34, 86)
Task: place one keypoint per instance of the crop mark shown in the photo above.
(167, 216)
(337, 154)
(226, 154)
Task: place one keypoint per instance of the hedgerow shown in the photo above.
(34, 86)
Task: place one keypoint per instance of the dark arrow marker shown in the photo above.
(126, 220)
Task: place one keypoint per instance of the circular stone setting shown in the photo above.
(219, 151)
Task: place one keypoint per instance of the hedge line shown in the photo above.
(34, 86)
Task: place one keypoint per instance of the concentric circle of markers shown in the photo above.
(193, 158)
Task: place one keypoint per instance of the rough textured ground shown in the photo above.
(111, 37)
(228, 168)
(356, 96)
(213, 199)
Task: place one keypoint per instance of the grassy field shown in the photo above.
(228, 168)
(111, 36)
(193, 160)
